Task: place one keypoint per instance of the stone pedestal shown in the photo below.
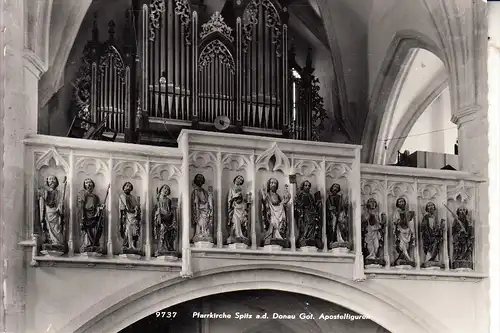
(271, 248)
(308, 249)
(130, 256)
(52, 253)
(167, 258)
(339, 250)
(204, 245)
(91, 254)
(238, 246)
(403, 267)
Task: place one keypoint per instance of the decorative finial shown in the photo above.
(111, 29)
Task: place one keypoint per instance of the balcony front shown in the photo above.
(221, 200)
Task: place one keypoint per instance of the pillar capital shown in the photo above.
(34, 64)
(465, 114)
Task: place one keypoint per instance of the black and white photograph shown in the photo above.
(249, 166)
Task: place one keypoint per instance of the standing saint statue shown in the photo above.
(164, 223)
(308, 216)
(202, 211)
(274, 215)
(130, 220)
(432, 231)
(90, 213)
(337, 215)
(238, 205)
(373, 229)
(404, 234)
(51, 205)
(463, 240)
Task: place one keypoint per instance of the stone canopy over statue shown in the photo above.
(404, 234)
(130, 221)
(202, 211)
(238, 204)
(373, 234)
(91, 218)
(337, 214)
(308, 214)
(51, 209)
(274, 214)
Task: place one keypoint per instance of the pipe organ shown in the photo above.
(179, 72)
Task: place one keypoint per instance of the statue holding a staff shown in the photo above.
(91, 216)
(51, 205)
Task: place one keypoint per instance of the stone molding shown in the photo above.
(465, 115)
(34, 64)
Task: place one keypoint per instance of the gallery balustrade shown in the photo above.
(105, 203)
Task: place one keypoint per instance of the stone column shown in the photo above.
(19, 76)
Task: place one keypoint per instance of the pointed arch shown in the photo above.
(397, 53)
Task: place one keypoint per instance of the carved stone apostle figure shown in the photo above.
(404, 234)
(274, 215)
(51, 205)
(165, 227)
(373, 229)
(130, 220)
(463, 240)
(90, 216)
(432, 231)
(308, 216)
(202, 211)
(337, 214)
(238, 205)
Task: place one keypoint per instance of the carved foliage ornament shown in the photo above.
(217, 24)
(216, 49)
(112, 58)
(83, 83)
(183, 10)
(156, 10)
(272, 20)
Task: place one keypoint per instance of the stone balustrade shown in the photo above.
(181, 207)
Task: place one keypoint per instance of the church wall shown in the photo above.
(57, 296)
(460, 306)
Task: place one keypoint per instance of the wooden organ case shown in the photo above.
(175, 72)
